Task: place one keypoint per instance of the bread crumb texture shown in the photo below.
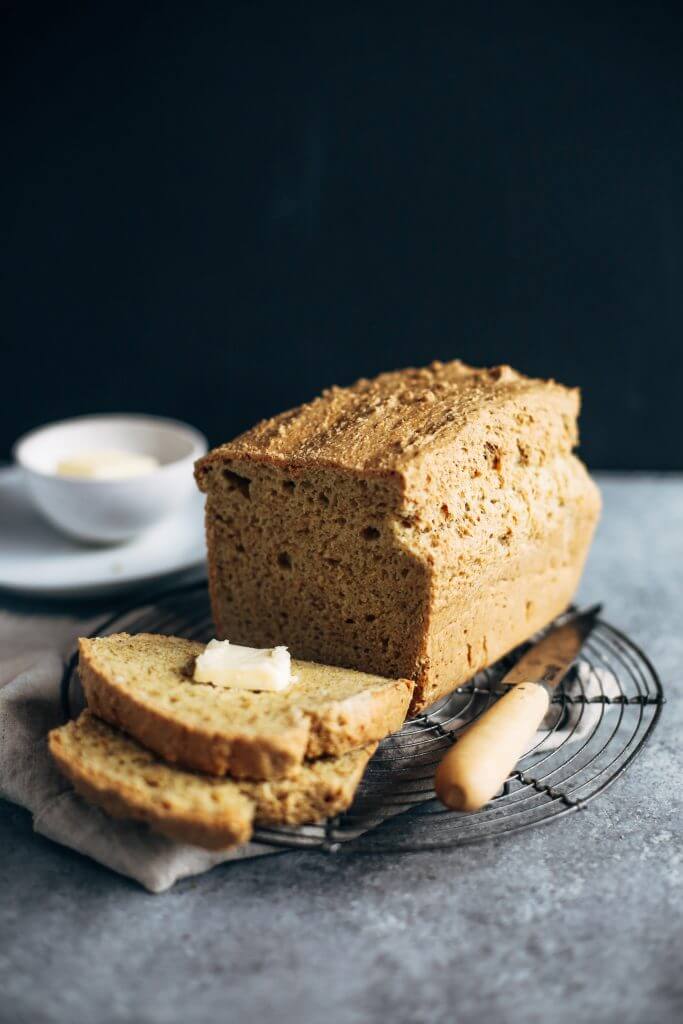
(417, 525)
(116, 773)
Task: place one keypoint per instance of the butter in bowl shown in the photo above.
(104, 479)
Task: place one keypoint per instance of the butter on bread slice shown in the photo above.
(143, 685)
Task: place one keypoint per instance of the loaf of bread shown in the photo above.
(143, 684)
(417, 525)
(128, 781)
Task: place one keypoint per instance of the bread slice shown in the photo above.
(143, 684)
(419, 524)
(128, 781)
(116, 773)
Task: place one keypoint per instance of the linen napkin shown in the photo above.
(30, 706)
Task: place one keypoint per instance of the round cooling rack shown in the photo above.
(601, 716)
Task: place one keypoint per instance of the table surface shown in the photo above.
(579, 920)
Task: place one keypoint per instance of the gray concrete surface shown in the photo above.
(578, 921)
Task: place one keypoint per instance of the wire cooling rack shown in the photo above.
(601, 717)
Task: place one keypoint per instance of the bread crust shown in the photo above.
(382, 427)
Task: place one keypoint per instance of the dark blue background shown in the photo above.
(215, 210)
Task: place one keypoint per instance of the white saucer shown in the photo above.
(35, 559)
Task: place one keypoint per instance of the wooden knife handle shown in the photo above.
(480, 761)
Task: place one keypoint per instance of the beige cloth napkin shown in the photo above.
(30, 706)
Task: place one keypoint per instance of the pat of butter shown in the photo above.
(106, 464)
(244, 668)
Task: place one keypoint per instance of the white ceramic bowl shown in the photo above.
(110, 511)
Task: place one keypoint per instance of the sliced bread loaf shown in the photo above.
(143, 684)
(113, 771)
(420, 524)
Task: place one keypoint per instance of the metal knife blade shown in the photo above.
(548, 661)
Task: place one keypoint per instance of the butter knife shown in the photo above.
(480, 761)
